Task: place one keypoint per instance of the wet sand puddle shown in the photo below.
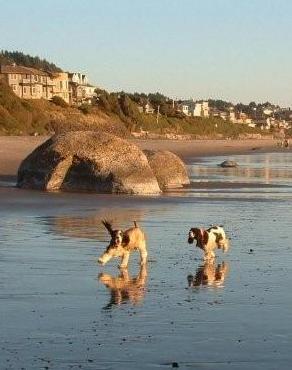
(60, 310)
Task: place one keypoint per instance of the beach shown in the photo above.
(61, 310)
(13, 149)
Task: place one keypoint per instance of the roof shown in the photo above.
(76, 73)
(21, 70)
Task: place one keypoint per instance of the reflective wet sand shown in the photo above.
(60, 310)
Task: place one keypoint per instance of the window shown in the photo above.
(24, 90)
(33, 90)
(14, 87)
(61, 85)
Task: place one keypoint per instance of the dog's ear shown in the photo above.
(205, 237)
(108, 226)
(125, 240)
(195, 231)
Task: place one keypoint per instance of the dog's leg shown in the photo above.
(125, 260)
(226, 245)
(209, 255)
(143, 254)
(125, 275)
(141, 278)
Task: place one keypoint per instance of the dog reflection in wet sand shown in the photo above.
(123, 243)
(211, 274)
(124, 288)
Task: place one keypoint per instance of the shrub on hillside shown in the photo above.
(57, 100)
(85, 108)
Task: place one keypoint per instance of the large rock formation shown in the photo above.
(88, 161)
(168, 168)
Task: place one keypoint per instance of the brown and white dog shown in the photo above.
(209, 239)
(123, 243)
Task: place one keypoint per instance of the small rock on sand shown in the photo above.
(228, 164)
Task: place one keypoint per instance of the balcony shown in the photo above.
(26, 81)
(49, 83)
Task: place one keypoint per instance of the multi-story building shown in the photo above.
(201, 109)
(185, 109)
(80, 91)
(195, 109)
(61, 85)
(31, 83)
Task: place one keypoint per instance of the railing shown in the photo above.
(26, 81)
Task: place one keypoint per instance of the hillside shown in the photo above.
(120, 112)
(116, 113)
(169, 121)
(29, 117)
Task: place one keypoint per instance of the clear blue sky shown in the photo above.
(238, 50)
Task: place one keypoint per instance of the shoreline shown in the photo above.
(189, 149)
(13, 149)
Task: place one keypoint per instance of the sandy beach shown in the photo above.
(61, 310)
(13, 149)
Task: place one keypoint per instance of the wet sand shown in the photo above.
(60, 310)
(193, 149)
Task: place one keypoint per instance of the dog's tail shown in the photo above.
(135, 224)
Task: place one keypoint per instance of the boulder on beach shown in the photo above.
(168, 168)
(228, 164)
(88, 161)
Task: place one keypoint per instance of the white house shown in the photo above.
(185, 109)
(148, 109)
(80, 91)
(201, 109)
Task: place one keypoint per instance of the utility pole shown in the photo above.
(157, 116)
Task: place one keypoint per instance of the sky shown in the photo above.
(235, 50)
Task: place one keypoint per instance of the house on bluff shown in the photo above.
(32, 83)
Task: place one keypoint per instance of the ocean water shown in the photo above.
(60, 310)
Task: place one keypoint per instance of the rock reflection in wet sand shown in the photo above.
(263, 168)
(210, 274)
(91, 227)
(124, 288)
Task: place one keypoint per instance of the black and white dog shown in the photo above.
(209, 239)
